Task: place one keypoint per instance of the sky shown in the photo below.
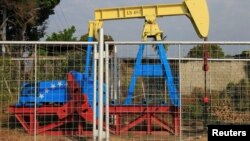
(229, 20)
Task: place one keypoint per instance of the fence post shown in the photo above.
(179, 58)
(107, 89)
(100, 87)
(94, 94)
(35, 124)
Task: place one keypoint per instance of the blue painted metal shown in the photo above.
(150, 70)
(132, 84)
(87, 85)
(153, 70)
(88, 57)
(54, 91)
(173, 93)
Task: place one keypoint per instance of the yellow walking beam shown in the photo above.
(140, 11)
(195, 10)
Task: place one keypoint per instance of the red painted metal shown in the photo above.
(140, 119)
(148, 124)
(206, 100)
(123, 109)
(147, 114)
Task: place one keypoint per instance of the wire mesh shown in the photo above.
(35, 80)
(220, 97)
(42, 92)
(148, 115)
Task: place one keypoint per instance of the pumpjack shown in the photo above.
(75, 94)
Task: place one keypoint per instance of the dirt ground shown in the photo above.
(20, 135)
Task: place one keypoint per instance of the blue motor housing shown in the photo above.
(55, 91)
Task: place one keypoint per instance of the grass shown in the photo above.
(19, 135)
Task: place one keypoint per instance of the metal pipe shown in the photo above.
(179, 42)
(119, 82)
(180, 92)
(40, 58)
(201, 59)
(171, 58)
(100, 87)
(94, 93)
(130, 42)
(47, 43)
(111, 78)
(35, 93)
(4, 29)
(115, 74)
(205, 69)
(19, 80)
(107, 89)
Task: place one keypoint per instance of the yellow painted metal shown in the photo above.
(196, 10)
(151, 29)
(199, 16)
(140, 11)
(91, 29)
(94, 26)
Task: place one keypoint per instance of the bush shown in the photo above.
(215, 51)
(239, 95)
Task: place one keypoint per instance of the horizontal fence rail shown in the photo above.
(151, 90)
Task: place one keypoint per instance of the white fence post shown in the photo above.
(94, 94)
(100, 87)
(180, 92)
(107, 90)
(35, 93)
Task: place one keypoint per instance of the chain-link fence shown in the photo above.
(47, 89)
(39, 91)
(211, 81)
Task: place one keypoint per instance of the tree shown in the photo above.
(65, 35)
(106, 38)
(215, 51)
(239, 95)
(244, 55)
(68, 35)
(26, 19)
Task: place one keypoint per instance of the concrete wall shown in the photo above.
(220, 73)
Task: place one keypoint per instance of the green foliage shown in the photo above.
(215, 51)
(192, 112)
(192, 105)
(244, 55)
(27, 18)
(65, 35)
(8, 77)
(57, 69)
(48, 3)
(76, 61)
(239, 95)
(84, 37)
(245, 52)
(42, 52)
(106, 38)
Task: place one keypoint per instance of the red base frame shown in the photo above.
(77, 113)
(149, 116)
